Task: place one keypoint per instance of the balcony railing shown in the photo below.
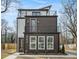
(51, 13)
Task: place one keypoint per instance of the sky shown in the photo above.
(12, 12)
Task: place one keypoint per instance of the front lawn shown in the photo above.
(5, 53)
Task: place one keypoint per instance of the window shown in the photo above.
(41, 42)
(50, 42)
(33, 25)
(35, 13)
(33, 44)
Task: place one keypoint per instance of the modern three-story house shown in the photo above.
(37, 31)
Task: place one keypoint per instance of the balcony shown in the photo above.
(26, 13)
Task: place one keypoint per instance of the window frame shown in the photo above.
(41, 42)
(30, 47)
(51, 43)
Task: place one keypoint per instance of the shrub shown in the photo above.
(63, 49)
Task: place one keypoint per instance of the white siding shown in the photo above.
(29, 13)
(23, 13)
(42, 12)
(21, 25)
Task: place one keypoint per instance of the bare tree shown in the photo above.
(4, 24)
(5, 29)
(6, 3)
(70, 12)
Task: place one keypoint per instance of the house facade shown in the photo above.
(37, 31)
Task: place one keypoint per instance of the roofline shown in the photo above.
(20, 18)
(43, 16)
(36, 16)
(32, 9)
(46, 8)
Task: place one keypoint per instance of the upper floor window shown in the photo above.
(33, 25)
(35, 13)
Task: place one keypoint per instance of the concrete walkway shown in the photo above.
(18, 56)
(46, 57)
(13, 56)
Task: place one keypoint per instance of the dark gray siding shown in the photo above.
(56, 43)
(44, 24)
(47, 24)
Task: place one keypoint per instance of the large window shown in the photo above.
(35, 13)
(50, 42)
(33, 25)
(33, 44)
(41, 42)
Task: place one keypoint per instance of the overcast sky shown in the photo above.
(12, 12)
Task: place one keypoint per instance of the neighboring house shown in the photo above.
(37, 31)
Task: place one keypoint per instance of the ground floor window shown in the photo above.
(33, 40)
(50, 42)
(41, 42)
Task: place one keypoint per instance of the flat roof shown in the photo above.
(36, 16)
(33, 9)
(42, 16)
